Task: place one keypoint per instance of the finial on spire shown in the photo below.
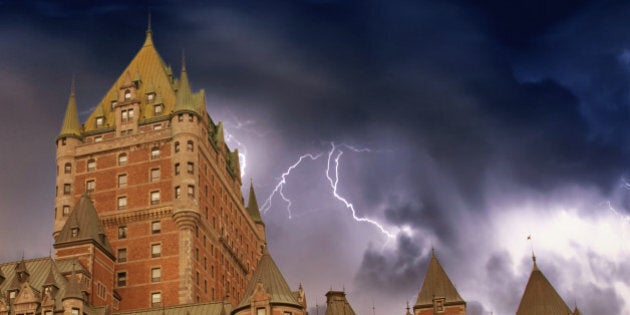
(529, 238)
(183, 60)
(149, 20)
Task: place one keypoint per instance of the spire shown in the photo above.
(540, 297)
(184, 99)
(269, 276)
(252, 205)
(149, 40)
(437, 284)
(50, 278)
(21, 271)
(71, 126)
(337, 304)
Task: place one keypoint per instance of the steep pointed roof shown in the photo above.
(184, 101)
(437, 285)
(252, 205)
(148, 65)
(86, 220)
(70, 126)
(337, 304)
(268, 274)
(540, 297)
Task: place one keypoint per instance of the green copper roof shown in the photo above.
(337, 304)
(540, 297)
(252, 205)
(437, 285)
(71, 126)
(85, 219)
(42, 271)
(273, 282)
(184, 101)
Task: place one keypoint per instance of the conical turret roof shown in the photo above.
(437, 285)
(540, 297)
(70, 126)
(184, 101)
(268, 274)
(337, 304)
(73, 290)
(252, 205)
(86, 220)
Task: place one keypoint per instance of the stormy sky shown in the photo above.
(455, 125)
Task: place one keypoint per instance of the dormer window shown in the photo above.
(150, 97)
(74, 232)
(127, 95)
(158, 109)
(438, 305)
(99, 122)
(114, 103)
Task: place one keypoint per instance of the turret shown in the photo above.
(73, 299)
(254, 212)
(438, 294)
(67, 141)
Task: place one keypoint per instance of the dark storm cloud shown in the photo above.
(455, 92)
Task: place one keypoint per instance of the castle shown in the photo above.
(150, 219)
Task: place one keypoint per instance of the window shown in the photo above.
(197, 254)
(66, 211)
(180, 117)
(176, 168)
(190, 167)
(122, 159)
(75, 311)
(127, 95)
(156, 227)
(67, 168)
(48, 313)
(155, 153)
(91, 165)
(177, 192)
(158, 109)
(74, 232)
(157, 127)
(113, 105)
(155, 174)
(67, 189)
(156, 250)
(101, 290)
(122, 203)
(287, 313)
(150, 98)
(122, 255)
(122, 232)
(438, 304)
(190, 146)
(124, 116)
(155, 197)
(121, 279)
(156, 274)
(90, 185)
(156, 299)
(98, 139)
(191, 191)
(130, 111)
(176, 147)
(99, 122)
(260, 311)
(122, 180)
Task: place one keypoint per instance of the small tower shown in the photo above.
(438, 294)
(67, 141)
(254, 212)
(73, 301)
(50, 290)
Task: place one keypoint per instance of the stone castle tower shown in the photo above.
(153, 171)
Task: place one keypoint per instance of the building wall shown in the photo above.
(209, 244)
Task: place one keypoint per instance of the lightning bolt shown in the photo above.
(279, 189)
(331, 172)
